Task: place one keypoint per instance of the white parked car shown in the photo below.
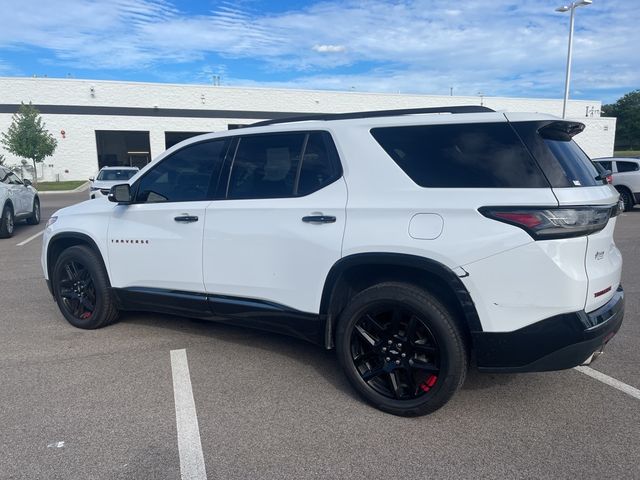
(108, 177)
(410, 241)
(625, 176)
(19, 201)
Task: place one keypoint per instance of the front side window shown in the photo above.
(626, 166)
(188, 175)
(4, 175)
(476, 155)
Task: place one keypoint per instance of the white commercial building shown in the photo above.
(100, 123)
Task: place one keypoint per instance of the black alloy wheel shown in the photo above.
(77, 290)
(401, 349)
(82, 290)
(395, 352)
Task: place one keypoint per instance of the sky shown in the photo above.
(488, 47)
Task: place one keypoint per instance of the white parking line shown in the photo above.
(32, 237)
(612, 382)
(189, 446)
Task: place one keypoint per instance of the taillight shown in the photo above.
(609, 178)
(554, 222)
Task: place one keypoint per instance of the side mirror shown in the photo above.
(120, 194)
(27, 182)
(91, 179)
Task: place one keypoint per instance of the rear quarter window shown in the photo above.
(561, 159)
(626, 166)
(477, 155)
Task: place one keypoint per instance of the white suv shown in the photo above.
(625, 176)
(411, 241)
(19, 201)
(108, 177)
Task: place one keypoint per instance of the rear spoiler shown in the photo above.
(561, 130)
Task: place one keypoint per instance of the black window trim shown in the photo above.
(213, 184)
(332, 154)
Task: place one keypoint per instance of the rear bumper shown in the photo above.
(556, 343)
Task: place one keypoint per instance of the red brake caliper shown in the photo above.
(428, 383)
(85, 315)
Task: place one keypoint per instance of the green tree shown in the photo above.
(627, 111)
(27, 137)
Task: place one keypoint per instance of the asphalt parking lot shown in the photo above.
(80, 404)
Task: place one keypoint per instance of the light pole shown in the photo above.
(566, 8)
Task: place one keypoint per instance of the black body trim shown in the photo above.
(402, 260)
(269, 316)
(173, 302)
(556, 343)
(237, 311)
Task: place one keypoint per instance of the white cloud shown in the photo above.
(328, 48)
(498, 46)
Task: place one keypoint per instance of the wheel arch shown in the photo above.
(61, 241)
(356, 272)
(623, 187)
(10, 203)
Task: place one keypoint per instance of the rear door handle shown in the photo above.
(186, 218)
(319, 219)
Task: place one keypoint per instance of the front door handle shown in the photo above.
(319, 219)
(184, 218)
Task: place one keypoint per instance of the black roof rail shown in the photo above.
(375, 113)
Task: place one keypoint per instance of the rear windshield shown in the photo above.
(113, 175)
(477, 155)
(562, 160)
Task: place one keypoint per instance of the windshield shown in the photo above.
(116, 175)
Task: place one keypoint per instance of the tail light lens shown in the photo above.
(554, 222)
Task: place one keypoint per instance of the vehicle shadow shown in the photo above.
(322, 361)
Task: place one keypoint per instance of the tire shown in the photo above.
(401, 349)
(34, 219)
(627, 199)
(7, 222)
(82, 290)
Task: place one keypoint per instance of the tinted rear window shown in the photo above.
(561, 159)
(477, 155)
(576, 164)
